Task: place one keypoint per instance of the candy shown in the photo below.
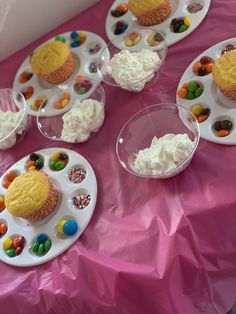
(180, 25)
(7, 243)
(47, 245)
(228, 48)
(222, 128)
(25, 76)
(41, 249)
(60, 38)
(226, 125)
(3, 229)
(93, 67)
(222, 133)
(198, 92)
(119, 10)
(81, 200)
(35, 161)
(202, 118)
(70, 227)
(42, 238)
(58, 161)
(187, 21)
(11, 252)
(28, 92)
(202, 71)
(203, 66)
(62, 101)
(196, 109)
(120, 27)
(95, 49)
(41, 245)
(77, 175)
(20, 241)
(77, 39)
(18, 250)
(194, 7)
(35, 246)
(82, 85)
(60, 226)
(192, 86)
(132, 39)
(2, 203)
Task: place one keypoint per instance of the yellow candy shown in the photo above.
(187, 21)
(196, 109)
(60, 226)
(54, 156)
(32, 168)
(7, 243)
(137, 40)
(33, 107)
(82, 35)
(64, 103)
(128, 43)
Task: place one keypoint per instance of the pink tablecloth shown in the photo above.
(153, 247)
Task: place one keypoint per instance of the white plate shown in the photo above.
(42, 88)
(221, 107)
(179, 10)
(64, 208)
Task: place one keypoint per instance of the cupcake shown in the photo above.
(224, 74)
(150, 12)
(31, 196)
(53, 62)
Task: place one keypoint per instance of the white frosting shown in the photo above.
(8, 122)
(132, 70)
(84, 117)
(164, 154)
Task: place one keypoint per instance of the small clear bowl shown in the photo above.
(50, 116)
(156, 121)
(13, 118)
(150, 39)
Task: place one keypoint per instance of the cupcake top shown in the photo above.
(27, 193)
(49, 57)
(224, 70)
(141, 6)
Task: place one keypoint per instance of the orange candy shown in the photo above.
(182, 93)
(196, 67)
(6, 184)
(10, 176)
(30, 163)
(3, 229)
(209, 67)
(2, 203)
(222, 133)
(122, 7)
(202, 117)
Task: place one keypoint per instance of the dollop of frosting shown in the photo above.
(84, 117)
(131, 70)
(8, 123)
(165, 154)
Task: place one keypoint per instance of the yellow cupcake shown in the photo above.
(31, 196)
(53, 61)
(224, 74)
(150, 12)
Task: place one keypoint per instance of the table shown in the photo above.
(151, 247)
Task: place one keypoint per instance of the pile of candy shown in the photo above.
(58, 161)
(8, 179)
(200, 113)
(132, 39)
(204, 66)
(77, 39)
(67, 227)
(3, 229)
(81, 200)
(35, 162)
(119, 10)
(82, 85)
(62, 101)
(2, 203)
(190, 90)
(120, 27)
(38, 102)
(13, 247)
(180, 25)
(154, 39)
(77, 174)
(25, 76)
(41, 245)
(223, 127)
(28, 92)
(194, 7)
(228, 48)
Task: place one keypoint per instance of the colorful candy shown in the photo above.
(154, 39)
(2, 203)
(82, 85)
(62, 101)
(194, 7)
(203, 66)
(13, 246)
(77, 39)
(58, 161)
(120, 27)
(38, 102)
(132, 39)
(119, 10)
(3, 229)
(190, 90)
(60, 38)
(180, 25)
(25, 76)
(35, 162)
(228, 48)
(200, 113)
(41, 245)
(28, 92)
(93, 67)
(77, 174)
(67, 227)
(81, 200)
(9, 177)
(223, 127)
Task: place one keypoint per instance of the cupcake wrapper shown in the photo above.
(48, 206)
(155, 16)
(62, 73)
(229, 93)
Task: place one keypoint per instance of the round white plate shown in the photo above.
(64, 209)
(83, 58)
(179, 10)
(221, 107)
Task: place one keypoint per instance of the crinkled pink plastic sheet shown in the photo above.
(153, 247)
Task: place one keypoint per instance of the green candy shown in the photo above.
(39, 162)
(47, 245)
(190, 95)
(59, 165)
(60, 38)
(182, 28)
(77, 40)
(198, 91)
(82, 90)
(41, 249)
(35, 247)
(192, 86)
(11, 252)
(52, 164)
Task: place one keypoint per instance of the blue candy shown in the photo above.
(42, 238)
(74, 35)
(74, 44)
(70, 227)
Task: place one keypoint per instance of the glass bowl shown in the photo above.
(69, 115)
(168, 156)
(13, 117)
(139, 55)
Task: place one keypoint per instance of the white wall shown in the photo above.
(27, 20)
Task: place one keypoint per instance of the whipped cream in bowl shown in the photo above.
(77, 122)
(133, 66)
(158, 142)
